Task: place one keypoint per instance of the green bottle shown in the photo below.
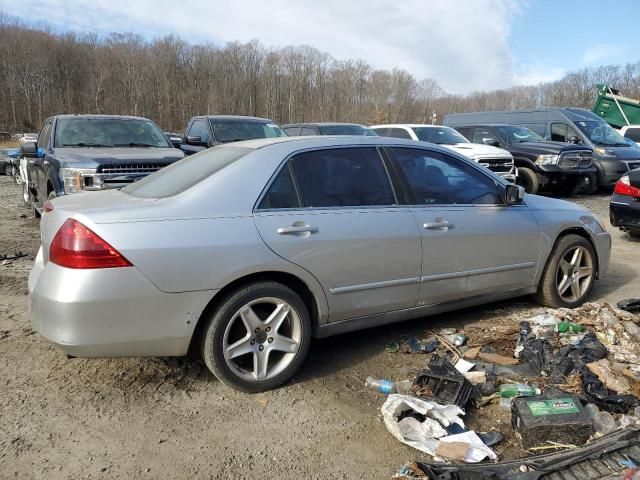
(565, 327)
(510, 390)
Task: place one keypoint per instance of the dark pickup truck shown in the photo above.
(208, 131)
(76, 153)
(545, 165)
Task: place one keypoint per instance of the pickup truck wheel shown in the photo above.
(593, 185)
(528, 179)
(569, 274)
(8, 170)
(257, 338)
(17, 178)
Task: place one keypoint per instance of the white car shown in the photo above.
(495, 159)
(632, 132)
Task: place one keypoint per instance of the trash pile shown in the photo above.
(566, 377)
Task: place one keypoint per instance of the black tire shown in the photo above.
(212, 335)
(8, 170)
(528, 179)
(594, 184)
(548, 294)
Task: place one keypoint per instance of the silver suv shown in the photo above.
(247, 250)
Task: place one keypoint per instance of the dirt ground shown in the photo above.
(169, 418)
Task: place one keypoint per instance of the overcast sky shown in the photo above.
(465, 45)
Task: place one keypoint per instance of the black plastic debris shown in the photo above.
(15, 256)
(596, 392)
(557, 365)
(629, 305)
(490, 438)
(597, 459)
(442, 382)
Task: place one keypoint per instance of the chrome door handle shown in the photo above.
(296, 229)
(439, 225)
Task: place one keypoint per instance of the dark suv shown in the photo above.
(207, 131)
(76, 153)
(541, 165)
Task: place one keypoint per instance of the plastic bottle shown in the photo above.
(459, 339)
(510, 390)
(604, 423)
(388, 386)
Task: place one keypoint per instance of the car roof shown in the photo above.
(235, 117)
(319, 141)
(96, 116)
(324, 124)
(409, 125)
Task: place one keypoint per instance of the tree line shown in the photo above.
(169, 80)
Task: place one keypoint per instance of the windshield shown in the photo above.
(520, 134)
(225, 131)
(602, 134)
(347, 130)
(184, 174)
(439, 135)
(108, 132)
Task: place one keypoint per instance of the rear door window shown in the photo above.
(307, 131)
(399, 133)
(345, 177)
(292, 131)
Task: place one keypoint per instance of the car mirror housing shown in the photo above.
(29, 150)
(194, 140)
(514, 194)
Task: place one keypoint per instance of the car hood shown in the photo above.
(476, 149)
(537, 202)
(90, 157)
(625, 153)
(541, 148)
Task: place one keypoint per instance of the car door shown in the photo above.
(343, 224)
(473, 243)
(487, 136)
(37, 167)
(198, 128)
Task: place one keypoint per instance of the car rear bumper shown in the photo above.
(624, 212)
(114, 312)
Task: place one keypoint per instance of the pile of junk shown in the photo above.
(560, 391)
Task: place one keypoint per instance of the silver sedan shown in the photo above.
(246, 251)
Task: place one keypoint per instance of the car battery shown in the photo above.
(558, 418)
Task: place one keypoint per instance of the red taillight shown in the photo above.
(76, 246)
(623, 187)
(48, 206)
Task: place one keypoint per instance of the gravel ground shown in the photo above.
(169, 418)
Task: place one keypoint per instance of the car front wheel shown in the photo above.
(257, 337)
(528, 179)
(568, 277)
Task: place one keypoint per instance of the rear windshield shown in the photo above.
(347, 130)
(109, 132)
(184, 174)
(225, 131)
(439, 135)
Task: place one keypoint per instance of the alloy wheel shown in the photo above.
(574, 274)
(262, 339)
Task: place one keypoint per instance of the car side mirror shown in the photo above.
(29, 150)
(491, 141)
(514, 194)
(194, 140)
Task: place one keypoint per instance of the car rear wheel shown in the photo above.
(257, 337)
(528, 179)
(568, 277)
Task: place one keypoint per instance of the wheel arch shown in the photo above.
(290, 280)
(582, 232)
